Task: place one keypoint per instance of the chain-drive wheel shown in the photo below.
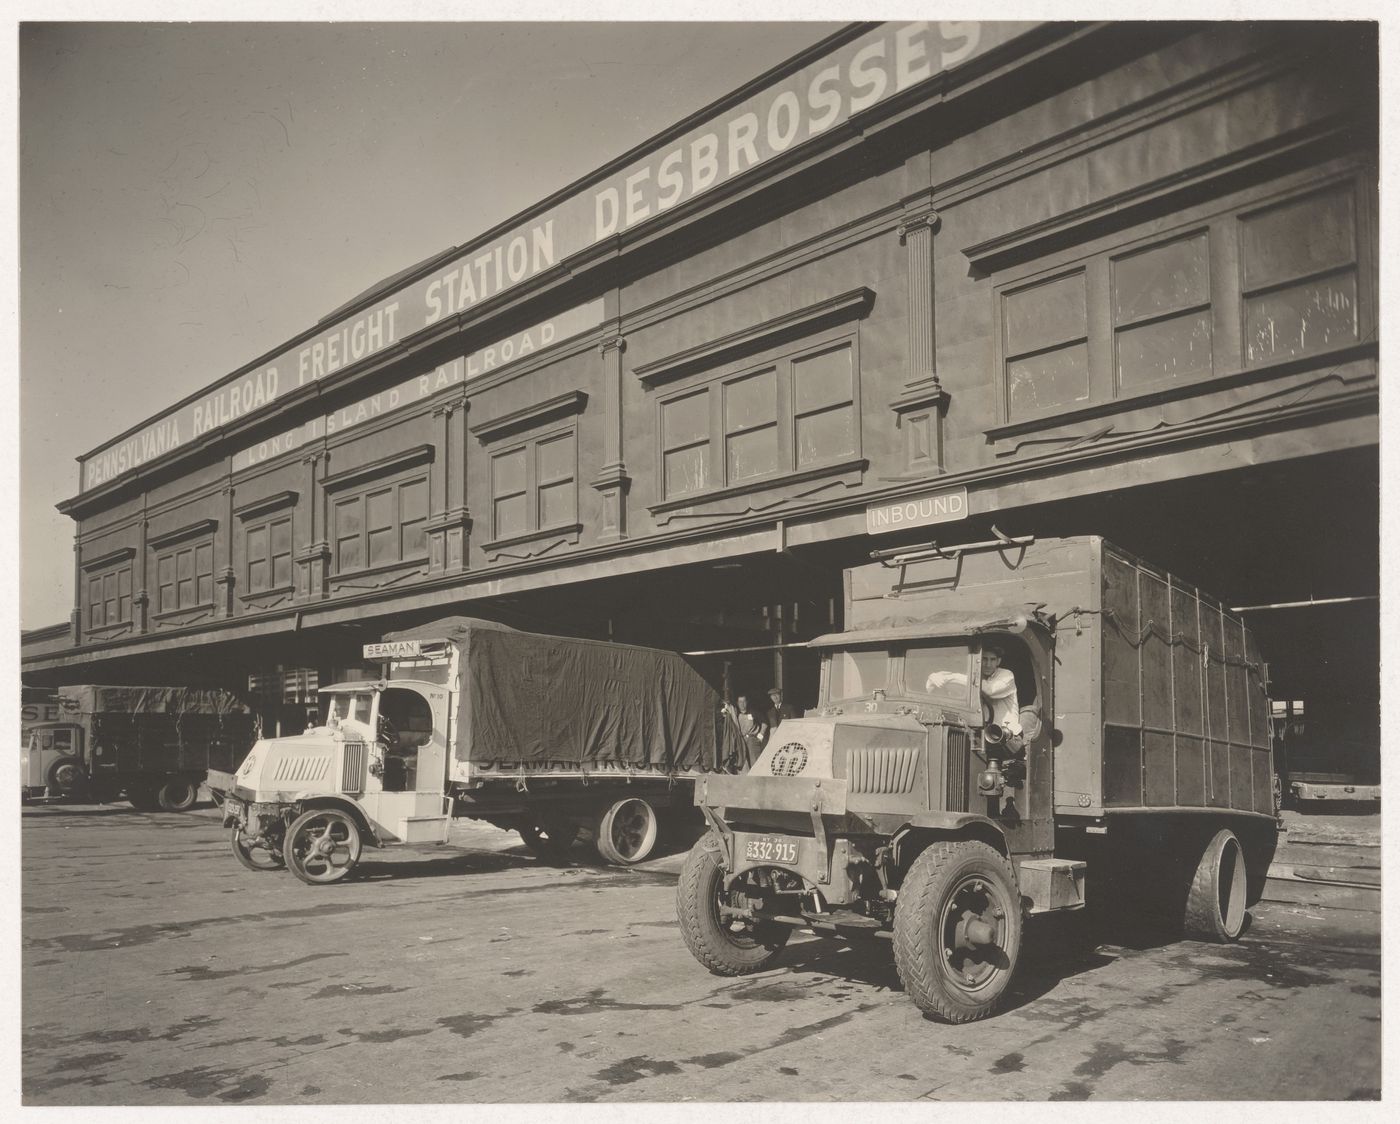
(627, 832)
(322, 846)
(726, 945)
(1215, 900)
(253, 852)
(549, 837)
(957, 930)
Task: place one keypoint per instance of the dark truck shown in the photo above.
(1141, 770)
(153, 745)
(544, 735)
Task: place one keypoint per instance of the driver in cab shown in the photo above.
(1000, 703)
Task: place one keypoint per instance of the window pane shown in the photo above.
(414, 537)
(687, 471)
(123, 595)
(349, 553)
(944, 672)
(508, 473)
(184, 565)
(1301, 318)
(282, 537)
(257, 544)
(510, 516)
(686, 420)
(257, 576)
(752, 453)
(348, 522)
(383, 546)
(204, 573)
(751, 401)
(822, 380)
(1300, 237)
(555, 459)
(1164, 351)
(166, 568)
(1057, 378)
(1161, 279)
(281, 571)
(379, 509)
(1045, 314)
(557, 504)
(413, 501)
(856, 673)
(826, 436)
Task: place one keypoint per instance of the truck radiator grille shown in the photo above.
(352, 767)
(882, 770)
(302, 769)
(955, 793)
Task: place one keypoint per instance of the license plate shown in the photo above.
(770, 849)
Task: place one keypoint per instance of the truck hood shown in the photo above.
(321, 760)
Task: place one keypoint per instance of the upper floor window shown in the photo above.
(185, 576)
(534, 485)
(383, 523)
(109, 596)
(1230, 288)
(268, 549)
(768, 416)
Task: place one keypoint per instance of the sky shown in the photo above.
(194, 195)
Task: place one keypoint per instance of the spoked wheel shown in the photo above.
(550, 837)
(627, 832)
(726, 944)
(1215, 901)
(254, 853)
(322, 845)
(957, 930)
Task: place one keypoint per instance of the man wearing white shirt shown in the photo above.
(998, 689)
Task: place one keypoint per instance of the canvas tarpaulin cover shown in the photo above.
(531, 699)
(90, 699)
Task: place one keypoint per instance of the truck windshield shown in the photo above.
(857, 673)
(344, 706)
(941, 671)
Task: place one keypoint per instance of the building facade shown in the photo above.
(917, 283)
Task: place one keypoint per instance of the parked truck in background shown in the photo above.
(543, 735)
(153, 745)
(1141, 774)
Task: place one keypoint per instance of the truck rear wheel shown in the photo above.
(1215, 902)
(627, 832)
(176, 795)
(957, 930)
(322, 846)
(726, 946)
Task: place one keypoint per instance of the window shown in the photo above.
(772, 416)
(185, 576)
(1231, 288)
(533, 486)
(269, 554)
(381, 525)
(942, 671)
(857, 673)
(109, 597)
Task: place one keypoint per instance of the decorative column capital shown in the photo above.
(612, 343)
(913, 224)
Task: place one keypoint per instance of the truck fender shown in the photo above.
(943, 825)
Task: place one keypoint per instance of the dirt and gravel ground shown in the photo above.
(156, 970)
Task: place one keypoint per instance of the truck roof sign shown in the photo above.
(406, 650)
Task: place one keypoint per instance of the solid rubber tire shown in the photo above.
(697, 895)
(918, 943)
(1221, 872)
(176, 795)
(608, 849)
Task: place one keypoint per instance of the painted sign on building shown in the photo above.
(921, 511)
(846, 82)
(484, 360)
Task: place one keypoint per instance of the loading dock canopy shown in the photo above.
(935, 626)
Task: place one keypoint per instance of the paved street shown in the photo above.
(159, 971)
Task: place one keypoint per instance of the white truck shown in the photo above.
(544, 735)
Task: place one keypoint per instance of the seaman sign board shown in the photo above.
(921, 511)
(841, 85)
(406, 650)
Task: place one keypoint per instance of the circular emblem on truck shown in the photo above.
(789, 760)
